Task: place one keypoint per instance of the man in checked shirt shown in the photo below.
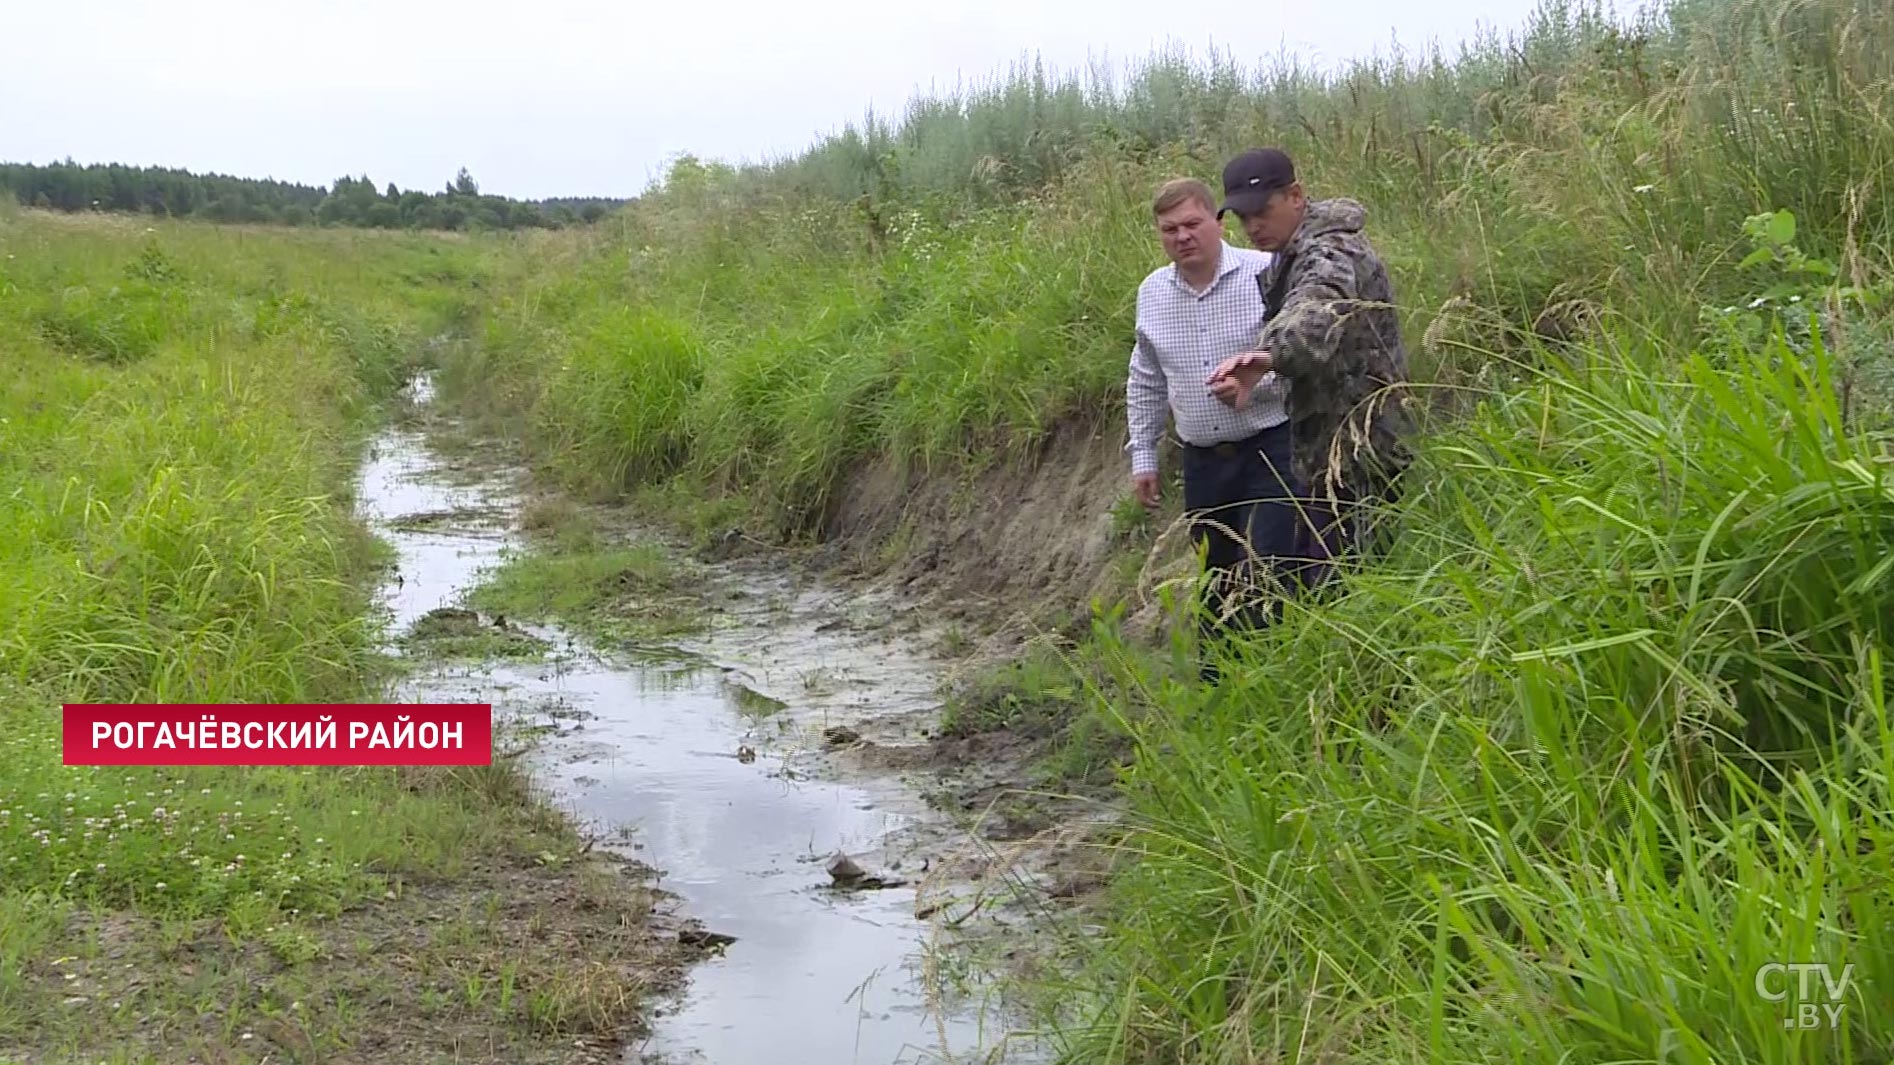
(1239, 489)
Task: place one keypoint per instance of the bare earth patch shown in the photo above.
(524, 958)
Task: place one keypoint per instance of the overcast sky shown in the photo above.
(577, 97)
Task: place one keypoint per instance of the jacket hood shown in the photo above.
(1332, 216)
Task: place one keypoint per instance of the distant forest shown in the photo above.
(349, 202)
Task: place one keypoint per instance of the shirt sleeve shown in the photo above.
(1145, 398)
(1302, 337)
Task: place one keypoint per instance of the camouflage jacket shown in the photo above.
(1335, 337)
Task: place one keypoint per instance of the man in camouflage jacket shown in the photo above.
(1332, 333)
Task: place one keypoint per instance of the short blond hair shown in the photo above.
(1179, 191)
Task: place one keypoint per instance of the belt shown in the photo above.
(1229, 449)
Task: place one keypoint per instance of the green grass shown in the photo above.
(179, 532)
(180, 421)
(1603, 735)
(575, 572)
(1044, 699)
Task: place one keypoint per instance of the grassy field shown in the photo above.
(1604, 736)
(180, 421)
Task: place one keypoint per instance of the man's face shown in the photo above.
(1191, 234)
(1271, 228)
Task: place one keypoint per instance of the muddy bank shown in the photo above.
(538, 957)
(1022, 547)
(869, 654)
(525, 945)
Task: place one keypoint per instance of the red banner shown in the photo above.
(278, 734)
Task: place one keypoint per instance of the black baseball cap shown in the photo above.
(1250, 179)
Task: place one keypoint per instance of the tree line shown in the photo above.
(350, 201)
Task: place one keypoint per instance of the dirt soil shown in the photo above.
(534, 958)
(1014, 555)
(1044, 526)
(1017, 544)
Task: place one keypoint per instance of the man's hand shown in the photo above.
(1144, 486)
(1238, 375)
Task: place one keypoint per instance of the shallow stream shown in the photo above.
(708, 763)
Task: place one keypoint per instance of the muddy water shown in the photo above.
(708, 763)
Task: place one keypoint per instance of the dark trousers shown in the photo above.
(1247, 514)
(1341, 526)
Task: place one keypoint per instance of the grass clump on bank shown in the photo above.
(179, 428)
(574, 571)
(1042, 700)
(452, 633)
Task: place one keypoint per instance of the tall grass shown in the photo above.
(950, 287)
(1603, 736)
(179, 423)
(174, 532)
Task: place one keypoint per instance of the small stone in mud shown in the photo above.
(843, 869)
(697, 937)
(845, 873)
(721, 546)
(840, 736)
(868, 883)
(1076, 885)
